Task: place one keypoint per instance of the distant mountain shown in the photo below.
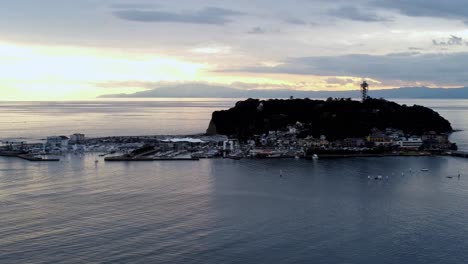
(212, 91)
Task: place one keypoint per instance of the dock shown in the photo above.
(461, 154)
(120, 158)
(36, 159)
(26, 156)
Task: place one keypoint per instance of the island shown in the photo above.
(332, 128)
(267, 129)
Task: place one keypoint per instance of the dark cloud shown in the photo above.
(451, 9)
(262, 30)
(443, 68)
(209, 15)
(257, 30)
(353, 13)
(451, 41)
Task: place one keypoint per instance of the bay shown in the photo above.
(222, 211)
(227, 211)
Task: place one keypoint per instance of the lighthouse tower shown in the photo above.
(364, 90)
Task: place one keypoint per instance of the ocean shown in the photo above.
(33, 121)
(222, 211)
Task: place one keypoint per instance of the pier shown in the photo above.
(27, 157)
(120, 158)
(461, 154)
(36, 159)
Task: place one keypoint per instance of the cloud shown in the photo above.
(450, 9)
(437, 68)
(340, 81)
(451, 41)
(209, 15)
(262, 30)
(212, 49)
(353, 13)
(134, 6)
(128, 84)
(295, 21)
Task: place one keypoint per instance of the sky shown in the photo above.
(72, 50)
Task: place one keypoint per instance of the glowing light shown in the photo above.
(212, 50)
(43, 72)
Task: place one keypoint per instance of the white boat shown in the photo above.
(315, 157)
(424, 169)
(275, 155)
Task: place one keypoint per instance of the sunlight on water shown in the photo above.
(135, 117)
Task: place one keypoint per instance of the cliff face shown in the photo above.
(336, 119)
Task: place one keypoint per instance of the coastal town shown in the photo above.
(297, 140)
(286, 143)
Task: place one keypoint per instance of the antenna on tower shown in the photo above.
(364, 90)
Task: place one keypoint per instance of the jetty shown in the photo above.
(461, 154)
(36, 159)
(26, 156)
(123, 158)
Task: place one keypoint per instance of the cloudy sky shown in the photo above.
(69, 49)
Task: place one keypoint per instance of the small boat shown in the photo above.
(275, 155)
(315, 157)
(424, 169)
(449, 177)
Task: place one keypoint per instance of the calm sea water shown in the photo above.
(36, 120)
(226, 211)
(222, 211)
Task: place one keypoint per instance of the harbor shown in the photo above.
(284, 144)
(123, 158)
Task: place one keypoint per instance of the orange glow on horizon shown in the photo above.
(71, 73)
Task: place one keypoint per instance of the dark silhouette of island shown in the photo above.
(335, 118)
(199, 90)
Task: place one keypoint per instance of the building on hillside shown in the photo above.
(378, 138)
(353, 142)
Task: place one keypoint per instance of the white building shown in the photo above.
(410, 143)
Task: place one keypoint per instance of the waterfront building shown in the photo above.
(323, 141)
(77, 139)
(57, 142)
(230, 145)
(413, 143)
(432, 140)
(353, 142)
(378, 138)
